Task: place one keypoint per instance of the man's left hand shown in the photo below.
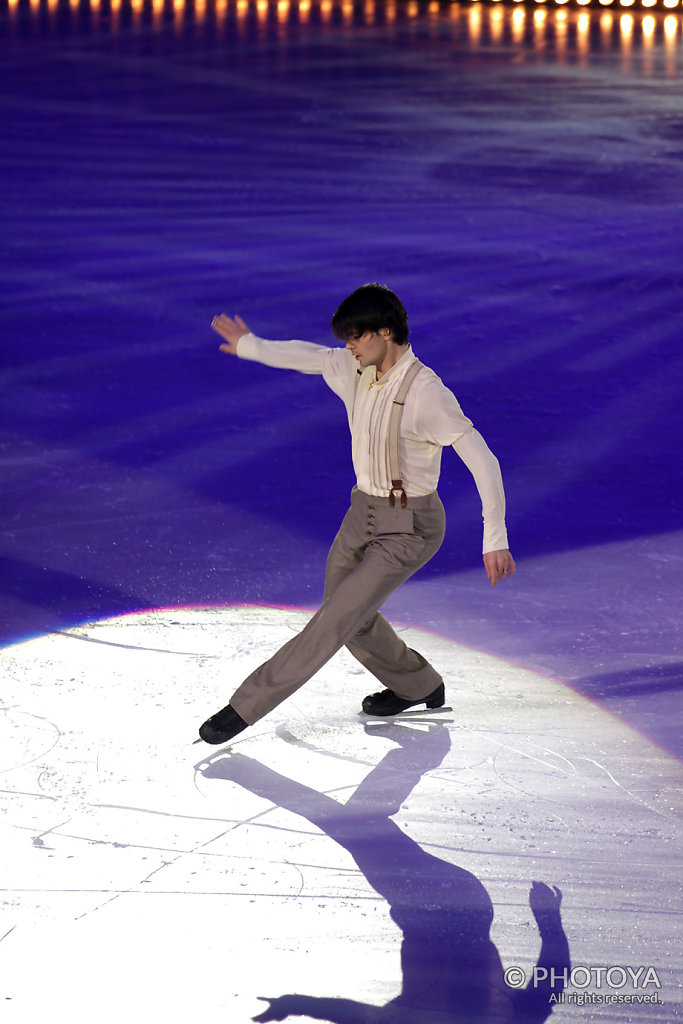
(498, 565)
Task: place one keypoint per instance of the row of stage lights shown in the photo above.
(349, 10)
(547, 25)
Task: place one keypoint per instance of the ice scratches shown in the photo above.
(132, 889)
(565, 824)
(287, 829)
(286, 736)
(628, 792)
(565, 767)
(42, 753)
(503, 747)
(69, 635)
(571, 767)
(300, 873)
(250, 894)
(38, 840)
(193, 852)
(198, 850)
(451, 774)
(571, 770)
(233, 823)
(162, 814)
(36, 796)
(114, 843)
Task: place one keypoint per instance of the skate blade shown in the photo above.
(408, 713)
(421, 712)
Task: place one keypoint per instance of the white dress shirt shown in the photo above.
(432, 418)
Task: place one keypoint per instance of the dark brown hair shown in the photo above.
(370, 308)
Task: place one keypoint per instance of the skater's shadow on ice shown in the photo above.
(451, 969)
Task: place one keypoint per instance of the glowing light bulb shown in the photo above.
(496, 22)
(475, 23)
(561, 27)
(518, 20)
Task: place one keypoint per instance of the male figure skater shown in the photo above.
(401, 415)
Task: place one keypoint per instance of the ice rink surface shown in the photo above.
(166, 874)
(515, 175)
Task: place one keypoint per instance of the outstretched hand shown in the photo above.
(545, 906)
(280, 1008)
(498, 565)
(230, 331)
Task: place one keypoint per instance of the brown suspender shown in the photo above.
(394, 434)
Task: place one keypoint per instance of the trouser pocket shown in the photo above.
(393, 520)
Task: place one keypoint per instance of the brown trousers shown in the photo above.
(364, 566)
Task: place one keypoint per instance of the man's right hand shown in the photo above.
(230, 331)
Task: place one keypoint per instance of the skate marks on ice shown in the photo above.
(117, 851)
(451, 971)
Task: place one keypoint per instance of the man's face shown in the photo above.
(369, 349)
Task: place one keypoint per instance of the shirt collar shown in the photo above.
(394, 372)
